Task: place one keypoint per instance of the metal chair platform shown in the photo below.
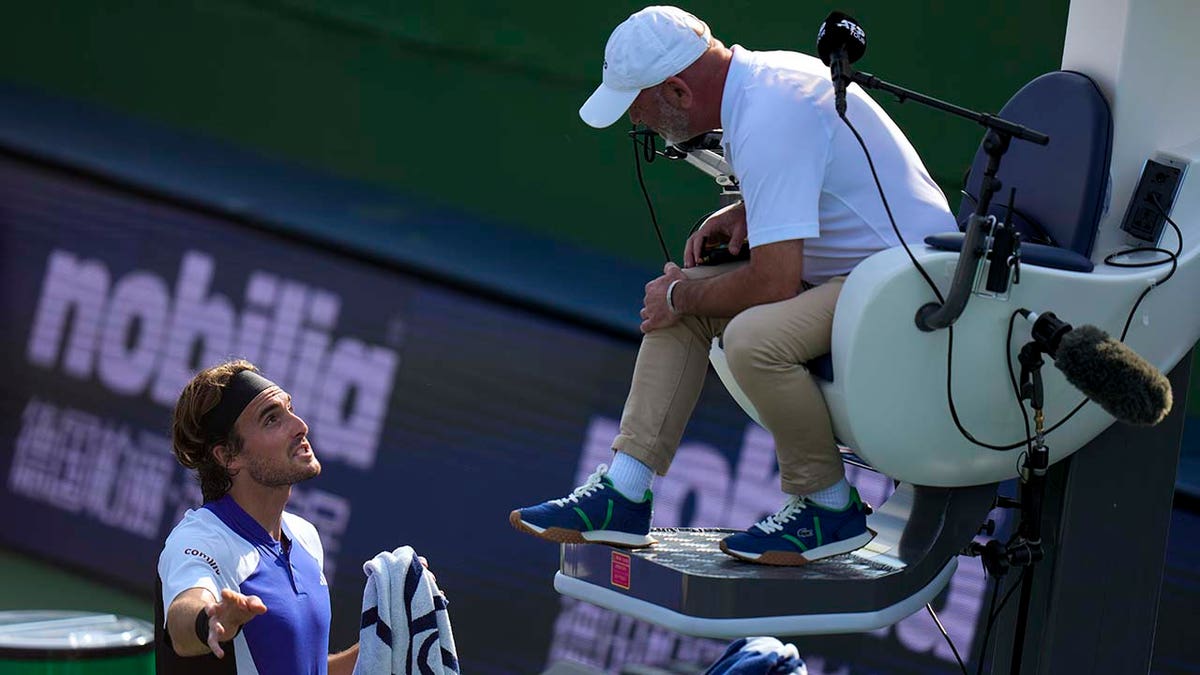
(686, 584)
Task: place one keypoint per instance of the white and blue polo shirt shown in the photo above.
(221, 546)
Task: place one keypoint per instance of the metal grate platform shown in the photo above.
(687, 584)
(695, 551)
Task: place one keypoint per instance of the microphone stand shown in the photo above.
(933, 316)
(1024, 549)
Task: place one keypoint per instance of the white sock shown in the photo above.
(630, 477)
(836, 496)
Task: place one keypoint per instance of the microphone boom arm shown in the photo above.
(992, 122)
(933, 316)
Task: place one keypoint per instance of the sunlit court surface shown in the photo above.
(435, 258)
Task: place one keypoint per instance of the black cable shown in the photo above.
(700, 221)
(994, 614)
(950, 329)
(1013, 378)
(946, 635)
(1021, 460)
(937, 293)
(949, 347)
(954, 409)
(649, 151)
(1129, 319)
(1042, 235)
(1015, 586)
(1108, 260)
(987, 633)
(888, 208)
(1172, 258)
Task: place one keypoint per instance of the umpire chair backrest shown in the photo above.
(1061, 188)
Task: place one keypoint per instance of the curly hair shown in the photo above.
(191, 446)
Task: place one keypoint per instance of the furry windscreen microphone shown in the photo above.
(1110, 373)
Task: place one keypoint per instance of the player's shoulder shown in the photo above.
(201, 534)
(197, 524)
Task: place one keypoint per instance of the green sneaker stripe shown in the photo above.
(799, 544)
(587, 521)
(607, 516)
(817, 527)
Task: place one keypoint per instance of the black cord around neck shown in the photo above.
(643, 147)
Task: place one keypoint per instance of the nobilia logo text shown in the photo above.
(136, 336)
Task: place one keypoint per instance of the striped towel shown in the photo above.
(759, 656)
(405, 627)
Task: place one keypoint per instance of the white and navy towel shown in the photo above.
(759, 656)
(405, 627)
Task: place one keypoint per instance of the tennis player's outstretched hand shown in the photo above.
(225, 618)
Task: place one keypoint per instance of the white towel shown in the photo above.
(405, 627)
(759, 656)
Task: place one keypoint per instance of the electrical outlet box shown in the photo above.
(1160, 181)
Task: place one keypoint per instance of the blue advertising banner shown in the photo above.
(434, 414)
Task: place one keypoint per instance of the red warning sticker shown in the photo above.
(620, 570)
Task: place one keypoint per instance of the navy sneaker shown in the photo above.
(595, 512)
(802, 532)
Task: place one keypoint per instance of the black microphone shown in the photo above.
(1108, 372)
(840, 42)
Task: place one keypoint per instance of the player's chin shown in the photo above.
(310, 467)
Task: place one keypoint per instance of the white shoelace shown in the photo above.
(592, 484)
(776, 521)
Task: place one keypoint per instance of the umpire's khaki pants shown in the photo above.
(765, 347)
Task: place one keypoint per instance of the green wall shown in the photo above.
(473, 104)
(31, 583)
